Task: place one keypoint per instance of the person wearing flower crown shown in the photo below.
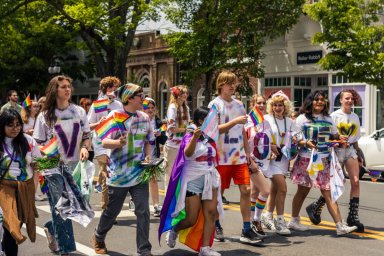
(108, 85)
(178, 119)
(279, 108)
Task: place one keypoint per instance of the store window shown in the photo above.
(164, 100)
(145, 84)
(277, 81)
(339, 79)
(305, 81)
(322, 81)
(201, 98)
(299, 97)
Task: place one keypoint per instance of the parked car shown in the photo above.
(372, 152)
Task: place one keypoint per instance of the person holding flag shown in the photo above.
(233, 151)
(259, 136)
(315, 129)
(128, 135)
(63, 128)
(149, 107)
(96, 115)
(190, 212)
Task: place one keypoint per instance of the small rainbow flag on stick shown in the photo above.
(120, 118)
(51, 149)
(210, 127)
(27, 102)
(108, 126)
(256, 116)
(163, 128)
(100, 105)
(145, 104)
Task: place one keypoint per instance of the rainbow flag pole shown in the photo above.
(27, 102)
(256, 116)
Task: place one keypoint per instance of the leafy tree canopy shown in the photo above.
(353, 31)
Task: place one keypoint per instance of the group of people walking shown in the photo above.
(197, 168)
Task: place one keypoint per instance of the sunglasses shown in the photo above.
(141, 95)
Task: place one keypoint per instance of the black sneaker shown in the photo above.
(257, 228)
(250, 237)
(219, 235)
(224, 200)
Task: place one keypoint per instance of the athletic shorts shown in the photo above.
(239, 173)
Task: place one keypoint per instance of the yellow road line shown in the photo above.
(304, 220)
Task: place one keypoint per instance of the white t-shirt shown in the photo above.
(347, 124)
(281, 130)
(318, 130)
(94, 117)
(20, 169)
(174, 140)
(28, 126)
(259, 139)
(202, 159)
(124, 165)
(69, 129)
(230, 145)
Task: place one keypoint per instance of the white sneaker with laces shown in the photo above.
(281, 228)
(170, 239)
(268, 222)
(208, 251)
(342, 229)
(295, 224)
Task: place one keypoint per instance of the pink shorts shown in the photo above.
(301, 177)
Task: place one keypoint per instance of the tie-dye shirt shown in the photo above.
(94, 117)
(20, 169)
(230, 145)
(203, 158)
(174, 140)
(320, 131)
(70, 129)
(124, 165)
(347, 124)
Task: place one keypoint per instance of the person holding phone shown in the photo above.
(279, 108)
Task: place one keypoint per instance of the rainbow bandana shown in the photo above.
(127, 91)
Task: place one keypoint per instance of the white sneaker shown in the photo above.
(39, 197)
(268, 222)
(295, 224)
(281, 228)
(208, 251)
(170, 239)
(342, 229)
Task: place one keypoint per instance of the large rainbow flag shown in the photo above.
(108, 126)
(193, 236)
(256, 116)
(27, 102)
(210, 126)
(120, 118)
(100, 105)
(51, 149)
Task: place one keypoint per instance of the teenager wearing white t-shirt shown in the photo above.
(108, 86)
(178, 119)
(348, 124)
(233, 149)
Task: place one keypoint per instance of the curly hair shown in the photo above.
(225, 77)
(306, 108)
(108, 81)
(355, 96)
(51, 95)
(182, 89)
(288, 106)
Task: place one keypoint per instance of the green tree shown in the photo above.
(353, 31)
(227, 34)
(106, 27)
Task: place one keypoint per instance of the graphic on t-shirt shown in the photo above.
(319, 132)
(5, 164)
(261, 142)
(349, 129)
(69, 146)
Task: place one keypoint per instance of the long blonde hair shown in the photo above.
(288, 107)
(175, 94)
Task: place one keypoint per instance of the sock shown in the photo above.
(269, 215)
(253, 204)
(246, 226)
(260, 205)
(217, 224)
(295, 219)
(280, 218)
(203, 247)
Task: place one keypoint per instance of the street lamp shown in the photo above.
(55, 66)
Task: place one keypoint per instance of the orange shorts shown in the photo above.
(239, 173)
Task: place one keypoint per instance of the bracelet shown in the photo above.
(84, 146)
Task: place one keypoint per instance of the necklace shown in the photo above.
(281, 134)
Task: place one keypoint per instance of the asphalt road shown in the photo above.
(319, 240)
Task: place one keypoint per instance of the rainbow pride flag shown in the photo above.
(210, 127)
(27, 102)
(120, 118)
(100, 105)
(193, 236)
(145, 104)
(256, 116)
(163, 128)
(43, 184)
(51, 149)
(108, 126)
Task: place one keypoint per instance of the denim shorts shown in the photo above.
(343, 154)
(196, 186)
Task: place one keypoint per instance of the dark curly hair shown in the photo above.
(306, 108)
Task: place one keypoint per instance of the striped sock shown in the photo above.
(260, 205)
(253, 206)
